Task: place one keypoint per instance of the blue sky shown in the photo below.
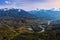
(30, 4)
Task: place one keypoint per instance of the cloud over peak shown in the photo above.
(30, 4)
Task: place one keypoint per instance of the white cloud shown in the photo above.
(7, 2)
(30, 6)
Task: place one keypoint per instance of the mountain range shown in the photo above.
(33, 14)
(18, 14)
(15, 14)
(46, 14)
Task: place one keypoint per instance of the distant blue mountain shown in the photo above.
(46, 14)
(35, 14)
(15, 14)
